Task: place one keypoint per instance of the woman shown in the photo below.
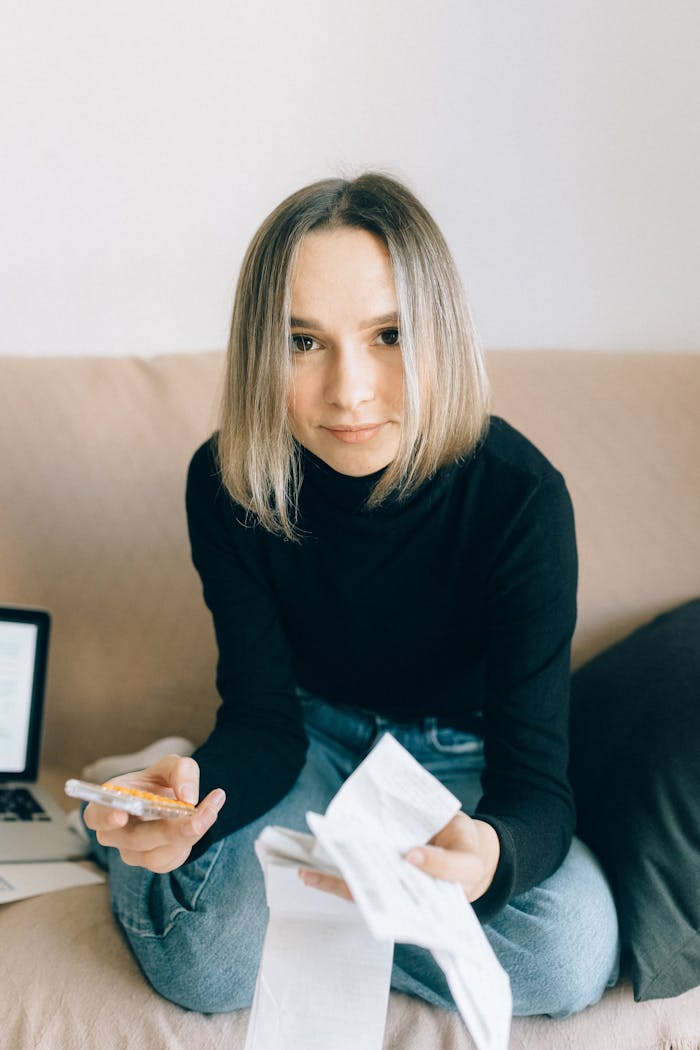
(379, 555)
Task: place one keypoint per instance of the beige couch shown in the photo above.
(93, 453)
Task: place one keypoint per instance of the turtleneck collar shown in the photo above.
(349, 494)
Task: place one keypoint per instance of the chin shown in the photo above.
(356, 463)
(354, 460)
(357, 470)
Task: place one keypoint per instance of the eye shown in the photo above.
(300, 344)
(389, 337)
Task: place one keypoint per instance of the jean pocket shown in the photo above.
(448, 741)
(148, 905)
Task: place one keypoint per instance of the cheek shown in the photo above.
(396, 388)
(301, 397)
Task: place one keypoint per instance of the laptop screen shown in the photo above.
(22, 663)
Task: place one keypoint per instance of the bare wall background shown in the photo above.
(142, 142)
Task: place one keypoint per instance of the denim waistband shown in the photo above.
(359, 727)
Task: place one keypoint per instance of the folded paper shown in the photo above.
(326, 966)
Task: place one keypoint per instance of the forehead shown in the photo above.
(345, 265)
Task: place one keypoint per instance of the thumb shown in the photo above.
(205, 815)
(180, 774)
(186, 780)
(449, 865)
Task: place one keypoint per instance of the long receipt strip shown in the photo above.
(324, 976)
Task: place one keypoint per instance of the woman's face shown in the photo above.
(347, 374)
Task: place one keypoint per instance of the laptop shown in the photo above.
(32, 825)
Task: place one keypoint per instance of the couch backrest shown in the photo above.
(624, 429)
(93, 456)
(92, 471)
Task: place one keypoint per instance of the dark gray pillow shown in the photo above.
(635, 770)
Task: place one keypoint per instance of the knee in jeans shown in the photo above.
(578, 969)
(581, 946)
(570, 986)
(207, 993)
(200, 974)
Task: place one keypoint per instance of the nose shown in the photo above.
(350, 380)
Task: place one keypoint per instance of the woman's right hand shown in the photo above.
(158, 845)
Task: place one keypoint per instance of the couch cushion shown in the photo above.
(635, 742)
(74, 983)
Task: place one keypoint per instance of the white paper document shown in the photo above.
(18, 881)
(324, 976)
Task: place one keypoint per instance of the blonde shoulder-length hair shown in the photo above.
(445, 388)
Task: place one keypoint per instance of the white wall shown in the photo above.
(556, 142)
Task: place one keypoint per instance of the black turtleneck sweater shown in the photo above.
(458, 603)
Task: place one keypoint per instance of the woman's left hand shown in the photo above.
(464, 851)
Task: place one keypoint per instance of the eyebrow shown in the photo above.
(316, 326)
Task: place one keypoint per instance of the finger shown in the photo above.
(139, 835)
(143, 836)
(327, 883)
(163, 845)
(159, 861)
(185, 778)
(449, 865)
(458, 833)
(205, 816)
(178, 773)
(191, 829)
(164, 858)
(98, 817)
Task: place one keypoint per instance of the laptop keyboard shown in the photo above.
(20, 804)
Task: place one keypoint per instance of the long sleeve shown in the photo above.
(530, 615)
(258, 745)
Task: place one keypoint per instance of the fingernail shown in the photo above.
(218, 799)
(188, 793)
(416, 856)
(309, 878)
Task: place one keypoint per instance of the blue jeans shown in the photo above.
(197, 932)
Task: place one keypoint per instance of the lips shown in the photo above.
(353, 435)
